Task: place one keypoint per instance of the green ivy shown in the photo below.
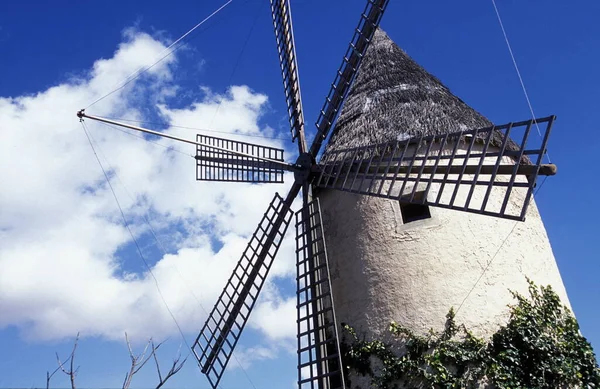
(539, 347)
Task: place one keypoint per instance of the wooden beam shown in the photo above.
(523, 170)
(236, 164)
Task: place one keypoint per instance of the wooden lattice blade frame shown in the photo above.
(368, 23)
(219, 335)
(245, 162)
(461, 170)
(284, 35)
(319, 361)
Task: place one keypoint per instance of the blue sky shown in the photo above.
(59, 56)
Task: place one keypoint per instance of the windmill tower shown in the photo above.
(393, 261)
(403, 148)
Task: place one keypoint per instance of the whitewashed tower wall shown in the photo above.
(386, 270)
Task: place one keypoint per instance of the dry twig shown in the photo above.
(137, 362)
(61, 366)
(175, 367)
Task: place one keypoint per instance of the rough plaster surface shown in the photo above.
(383, 270)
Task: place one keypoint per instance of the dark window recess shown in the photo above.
(414, 212)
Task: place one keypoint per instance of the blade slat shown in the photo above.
(319, 361)
(282, 22)
(512, 178)
(220, 165)
(462, 170)
(369, 21)
(219, 335)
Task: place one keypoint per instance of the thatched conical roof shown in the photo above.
(393, 96)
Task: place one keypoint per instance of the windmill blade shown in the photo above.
(284, 34)
(319, 358)
(219, 335)
(369, 21)
(245, 162)
(462, 170)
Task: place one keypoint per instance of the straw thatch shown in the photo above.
(393, 97)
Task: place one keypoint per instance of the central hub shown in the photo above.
(303, 167)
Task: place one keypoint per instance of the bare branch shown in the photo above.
(61, 366)
(73, 373)
(175, 367)
(137, 361)
(157, 364)
(50, 375)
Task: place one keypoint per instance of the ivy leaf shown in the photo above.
(539, 347)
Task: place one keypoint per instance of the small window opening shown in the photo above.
(413, 212)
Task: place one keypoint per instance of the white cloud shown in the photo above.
(60, 230)
(276, 317)
(244, 357)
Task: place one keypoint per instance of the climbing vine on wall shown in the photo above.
(539, 347)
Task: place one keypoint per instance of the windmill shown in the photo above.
(458, 170)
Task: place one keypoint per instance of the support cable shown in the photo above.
(197, 128)
(487, 266)
(159, 244)
(281, 164)
(514, 61)
(172, 148)
(238, 60)
(139, 250)
(164, 54)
